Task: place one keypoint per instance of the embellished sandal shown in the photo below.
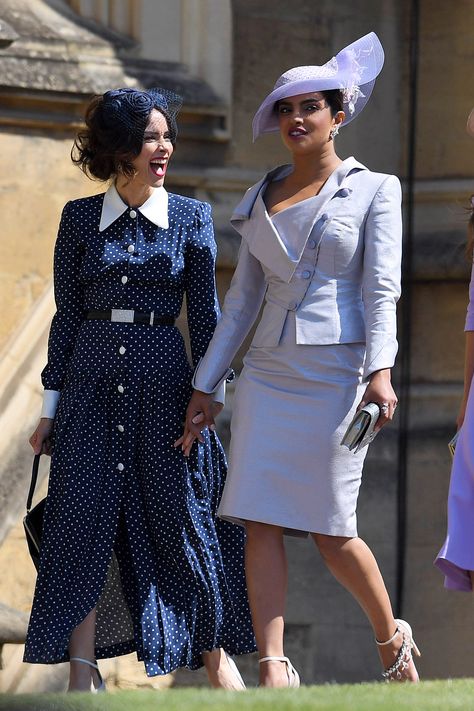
(101, 685)
(292, 674)
(396, 672)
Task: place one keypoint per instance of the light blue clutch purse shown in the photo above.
(361, 431)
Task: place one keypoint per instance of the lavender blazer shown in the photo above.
(347, 293)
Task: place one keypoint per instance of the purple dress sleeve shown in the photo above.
(470, 309)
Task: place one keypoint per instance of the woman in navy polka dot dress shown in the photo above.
(133, 558)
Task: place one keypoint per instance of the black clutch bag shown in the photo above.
(361, 430)
(33, 521)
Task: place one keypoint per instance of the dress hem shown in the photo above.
(288, 529)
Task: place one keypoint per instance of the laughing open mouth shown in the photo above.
(158, 167)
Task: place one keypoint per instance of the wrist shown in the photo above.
(384, 375)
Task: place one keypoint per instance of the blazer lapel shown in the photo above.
(252, 221)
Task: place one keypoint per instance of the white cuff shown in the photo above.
(206, 387)
(50, 403)
(219, 395)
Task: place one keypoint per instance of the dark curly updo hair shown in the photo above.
(115, 125)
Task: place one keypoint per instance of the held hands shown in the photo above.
(380, 390)
(40, 440)
(200, 413)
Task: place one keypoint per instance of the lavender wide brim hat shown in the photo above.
(353, 70)
(470, 124)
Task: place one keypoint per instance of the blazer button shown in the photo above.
(306, 274)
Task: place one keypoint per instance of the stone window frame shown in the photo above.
(196, 34)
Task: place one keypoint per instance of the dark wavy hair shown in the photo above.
(115, 125)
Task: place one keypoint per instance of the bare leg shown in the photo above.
(266, 570)
(81, 644)
(352, 563)
(219, 673)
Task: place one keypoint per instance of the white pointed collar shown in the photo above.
(154, 209)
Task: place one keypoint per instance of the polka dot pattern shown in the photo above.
(130, 524)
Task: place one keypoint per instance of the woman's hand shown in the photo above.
(380, 390)
(40, 440)
(200, 413)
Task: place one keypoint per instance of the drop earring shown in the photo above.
(334, 131)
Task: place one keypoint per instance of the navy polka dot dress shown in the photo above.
(130, 523)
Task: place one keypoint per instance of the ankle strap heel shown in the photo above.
(101, 686)
(292, 674)
(396, 672)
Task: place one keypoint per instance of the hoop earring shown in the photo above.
(334, 131)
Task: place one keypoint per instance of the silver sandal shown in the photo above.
(405, 654)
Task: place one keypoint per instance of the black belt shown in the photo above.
(131, 316)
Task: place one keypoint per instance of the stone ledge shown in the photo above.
(60, 59)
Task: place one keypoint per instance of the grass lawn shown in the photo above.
(433, 695)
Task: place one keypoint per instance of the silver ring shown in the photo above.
(384, 406)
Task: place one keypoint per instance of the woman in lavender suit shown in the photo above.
(321, 243)
(456, 557)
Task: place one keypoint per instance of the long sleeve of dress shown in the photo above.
(69, 297)
(381, 275)
(202, 303)
(241, 306)
(469, 325)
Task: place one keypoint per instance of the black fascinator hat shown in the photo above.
(115, 126)
(129, 110)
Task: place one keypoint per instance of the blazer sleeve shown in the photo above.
(382, 275)
(469, 325)
(69, 297)
(241, 306)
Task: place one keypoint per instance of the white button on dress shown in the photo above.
(132, 213)
(120, 388)
(130, 248)
(120, 467)
(120, 428)
(124, 279)
(122, 350)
